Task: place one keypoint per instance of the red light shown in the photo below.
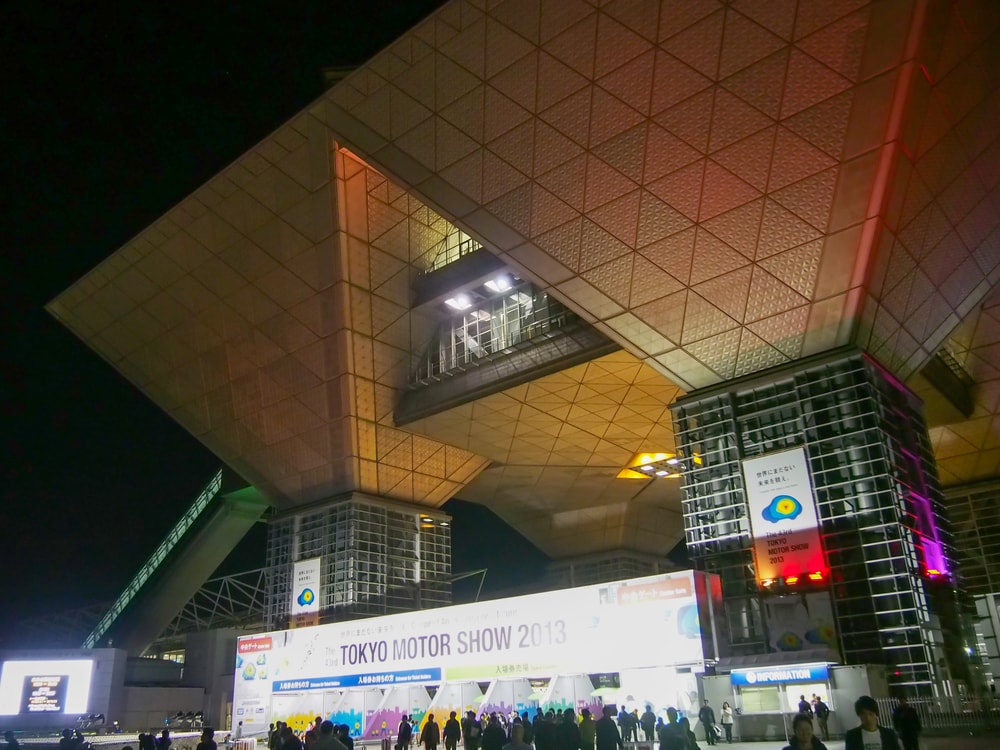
(792, 579)
(817, 576)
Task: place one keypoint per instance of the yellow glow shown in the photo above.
(654, 464)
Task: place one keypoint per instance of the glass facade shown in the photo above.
(891, 575)
(377, 558)
(490, 327)
(455, 245)
(974, 511)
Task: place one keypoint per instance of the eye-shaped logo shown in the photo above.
(306, 597)
(783, 506)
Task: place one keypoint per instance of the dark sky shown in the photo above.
(109, 118)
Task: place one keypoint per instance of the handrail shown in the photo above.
(184, 523)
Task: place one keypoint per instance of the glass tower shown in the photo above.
(377, 558)
(890, 582)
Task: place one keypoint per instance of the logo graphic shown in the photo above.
(751, 677)
(789, 642)
(307, 595)
(782, 507)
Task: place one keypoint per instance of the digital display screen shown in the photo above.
(44, 694)
(49, 686)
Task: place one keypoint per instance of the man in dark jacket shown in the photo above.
(906, 722)
(869, 736)
(452, 732)
(494, 737)
(670, 735)
(648, 722)
(430, 735)
(707, 717)
(568, 732)
(404, 734)
(545, 732)
(608, 737)
(472, 731)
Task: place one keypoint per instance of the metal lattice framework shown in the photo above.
(170, 541)
(227, 601)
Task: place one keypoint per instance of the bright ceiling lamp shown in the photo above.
(499, 284)
(648, 465)
(459, 302)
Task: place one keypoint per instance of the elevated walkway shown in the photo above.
(192, 550)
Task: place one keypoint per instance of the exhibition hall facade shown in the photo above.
(628, 274)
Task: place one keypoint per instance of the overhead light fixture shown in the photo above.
(459, 302)
(499, 284)
(444, 523)
(663, 465)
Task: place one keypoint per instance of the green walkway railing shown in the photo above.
(177, 533)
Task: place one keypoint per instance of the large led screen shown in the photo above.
(33, 687)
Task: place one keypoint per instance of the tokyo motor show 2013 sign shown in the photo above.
(601, 628)
(783, 518)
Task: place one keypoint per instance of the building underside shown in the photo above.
(487, 262)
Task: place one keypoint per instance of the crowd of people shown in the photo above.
(321, 735)
(565, 730)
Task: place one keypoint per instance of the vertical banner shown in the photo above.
(783, 519)
(306, 587)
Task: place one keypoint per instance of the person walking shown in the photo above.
(648, 723)
(452, 732)
(805, 707)
(517, 737)
(430, 735)
(404, 733)
(906, 722)
(568, 732)
(870, 735)
(802, 734)
(707, 717)
(726, 719)
(494, 736)
(822, 717)
(670, 735)
(472, 731)
(606, 732)
(588, 730)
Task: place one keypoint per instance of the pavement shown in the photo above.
(953, 742)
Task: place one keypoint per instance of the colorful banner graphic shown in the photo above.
(783, 518)
(306, 586)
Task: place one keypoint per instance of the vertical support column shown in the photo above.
(880, 511)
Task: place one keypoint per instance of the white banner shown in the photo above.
(306, 586)
(783, 518)
(643, 622)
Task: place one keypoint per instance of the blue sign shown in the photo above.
(774, 675)
(374, 679)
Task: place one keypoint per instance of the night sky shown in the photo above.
(109, 119)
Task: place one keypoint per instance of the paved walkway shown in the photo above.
(957, 742)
